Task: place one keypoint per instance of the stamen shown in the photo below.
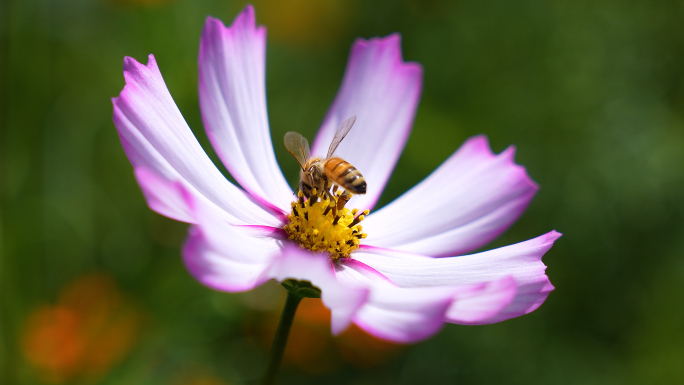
(326, 227)
(301, 198)
(357, 220)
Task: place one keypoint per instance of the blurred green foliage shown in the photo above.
(590, 92)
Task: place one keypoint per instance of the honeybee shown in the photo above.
(321, 174)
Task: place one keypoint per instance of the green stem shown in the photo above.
(280, 340)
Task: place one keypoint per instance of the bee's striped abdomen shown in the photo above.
(345, 175)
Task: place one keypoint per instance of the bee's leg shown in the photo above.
(305, 189)
(334, 189)
(331, 200)
(311, 183)
(330, 197)
(343, 199)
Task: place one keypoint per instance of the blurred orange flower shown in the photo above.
(312, 349)
(91, 328)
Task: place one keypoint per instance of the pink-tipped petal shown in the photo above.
(155, 136)
(468, 201)
(232, 94)
(404, 315)
(355, 273)
(383, 92)
(521, 261)
(342, 300)
(411, 314)
(164, 196)
(528, 298)
(481, 303)
(226, 257)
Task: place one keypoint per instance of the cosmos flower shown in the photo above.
(398, 274)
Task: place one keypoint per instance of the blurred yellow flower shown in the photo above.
(305, 22)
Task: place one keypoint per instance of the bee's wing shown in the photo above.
(342, 131)
(298, 146)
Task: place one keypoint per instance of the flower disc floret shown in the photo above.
(319, 225)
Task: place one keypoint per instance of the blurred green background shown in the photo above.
(92, 289)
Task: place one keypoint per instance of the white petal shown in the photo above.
(383, 92)
(156, 137)
(355, 273)
(164, 196)
(227, 257)
(468, 201)
(232, 94)
(480, 303)
(521, 261)
(404, 315)
(528, 298)
(411, 314)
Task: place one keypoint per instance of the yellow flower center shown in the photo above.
(325, 225)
